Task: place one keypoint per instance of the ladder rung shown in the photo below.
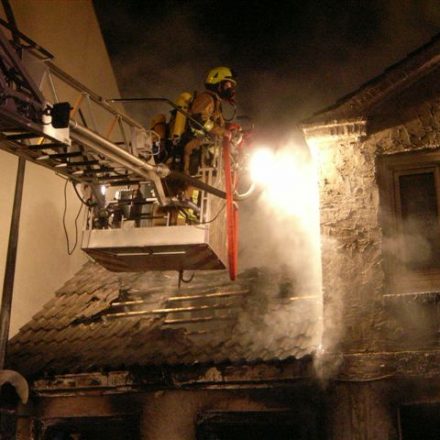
(116, 177)
(38, 147)
(60, 155)
(17, 137)
(122, 182)
(99, 170)
(77, 164)
(88, 173)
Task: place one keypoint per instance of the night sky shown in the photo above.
(292, 57)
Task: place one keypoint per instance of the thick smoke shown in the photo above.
(311, 55)
(159, 58)
(281, 226)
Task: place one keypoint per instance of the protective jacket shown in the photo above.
(207, 110)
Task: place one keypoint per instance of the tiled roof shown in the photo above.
(100, 320)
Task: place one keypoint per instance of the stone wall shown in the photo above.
(362, 411)
(355, 319)
(351, 238)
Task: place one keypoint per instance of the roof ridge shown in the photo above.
(420, 61)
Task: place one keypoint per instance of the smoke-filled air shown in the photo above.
(292, 58)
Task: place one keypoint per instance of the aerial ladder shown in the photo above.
(134, 221)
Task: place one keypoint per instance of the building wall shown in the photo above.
(342, 410)
(362, 411)
(175, 414)
(70, 31)
(363, 318)
(351, 253)
(357, 317)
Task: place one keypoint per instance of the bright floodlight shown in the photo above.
(261, 165)
(286, 179)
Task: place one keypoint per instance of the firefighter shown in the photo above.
(206, 109)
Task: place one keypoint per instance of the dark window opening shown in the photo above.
(260, 426)
(420, 223)
(8, 425)
(420, 422)
(409, 185)
(8, 403)
(94, 428)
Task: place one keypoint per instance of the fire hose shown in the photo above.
(231, 212)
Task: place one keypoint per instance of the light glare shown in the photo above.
(261, 165)
(287, 181)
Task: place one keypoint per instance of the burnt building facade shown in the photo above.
(133, 356)
(378, 152)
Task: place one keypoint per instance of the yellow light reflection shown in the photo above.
(288, 181)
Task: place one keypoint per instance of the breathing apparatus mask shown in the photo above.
(222, 80)
(226, 91)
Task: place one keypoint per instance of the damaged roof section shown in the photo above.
(102, 320)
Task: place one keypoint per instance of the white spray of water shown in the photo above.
(280, 231)
(281, 228)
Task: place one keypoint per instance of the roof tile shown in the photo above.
(75, 331)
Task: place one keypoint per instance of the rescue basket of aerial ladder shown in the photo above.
(145, 211)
